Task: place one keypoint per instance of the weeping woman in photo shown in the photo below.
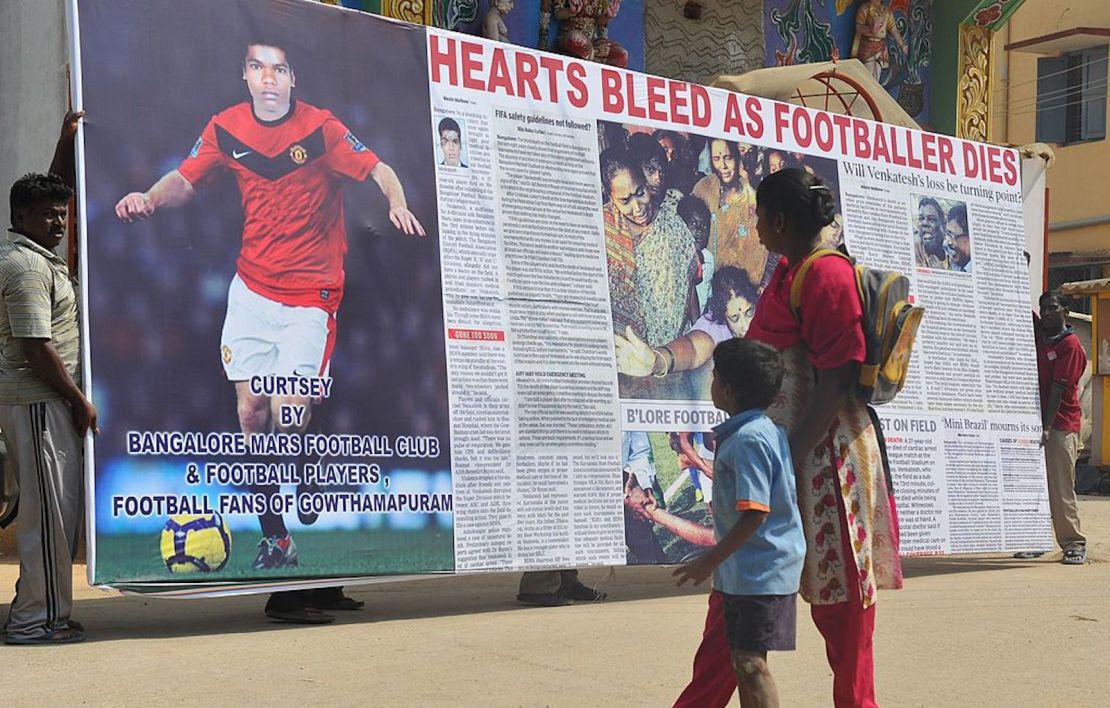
(651, 253)
(728, 193)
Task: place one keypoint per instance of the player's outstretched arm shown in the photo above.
(399, 212)
(170, 191)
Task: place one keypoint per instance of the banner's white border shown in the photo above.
(77, 102)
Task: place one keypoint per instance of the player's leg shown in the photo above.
(255, 419)
(276, 548)
(253, 410)
(248, 350)
(291, 414)
(304, 349)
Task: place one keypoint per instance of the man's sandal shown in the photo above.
(580, 593)
(64, 635)
(1075, 556)
(299, 615)
(544, 599)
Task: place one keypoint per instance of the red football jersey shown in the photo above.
(289, 171)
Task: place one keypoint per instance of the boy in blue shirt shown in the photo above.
(756, 563)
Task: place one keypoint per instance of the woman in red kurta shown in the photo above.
(847, 513)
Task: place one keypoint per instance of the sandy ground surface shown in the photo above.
(966, 631)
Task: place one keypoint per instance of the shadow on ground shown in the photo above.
(113, 617)
(946, 565)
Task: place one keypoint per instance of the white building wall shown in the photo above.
(34, 87)
(34, 94)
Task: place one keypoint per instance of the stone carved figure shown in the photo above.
(584, 29)
(874, 20)
(494, 27)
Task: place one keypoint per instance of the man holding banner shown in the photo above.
(287, 157)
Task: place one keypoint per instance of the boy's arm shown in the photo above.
(756, 459)
(702, 567)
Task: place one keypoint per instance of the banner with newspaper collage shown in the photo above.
(339, 325)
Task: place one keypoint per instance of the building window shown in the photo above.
(1071, 97)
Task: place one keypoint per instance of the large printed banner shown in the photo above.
(367, 299)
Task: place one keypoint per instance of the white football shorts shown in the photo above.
(266, 338)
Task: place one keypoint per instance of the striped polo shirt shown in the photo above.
(38, 302)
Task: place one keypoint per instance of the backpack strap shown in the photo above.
(799, 277)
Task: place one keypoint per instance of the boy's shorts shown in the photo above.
(761, 622)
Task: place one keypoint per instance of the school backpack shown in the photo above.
(890, 323)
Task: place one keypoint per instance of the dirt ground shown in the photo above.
(966, 631)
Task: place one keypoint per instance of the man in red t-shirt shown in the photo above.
(1061, 362)
(288, 158)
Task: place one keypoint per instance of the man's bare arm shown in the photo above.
(172, 190)
(64, 162)
(683, 528)
(399, 212)
(1051, 409)
(49, 367)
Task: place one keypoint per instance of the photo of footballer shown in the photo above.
(452, 145)
(250, 246)
(287, 157)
